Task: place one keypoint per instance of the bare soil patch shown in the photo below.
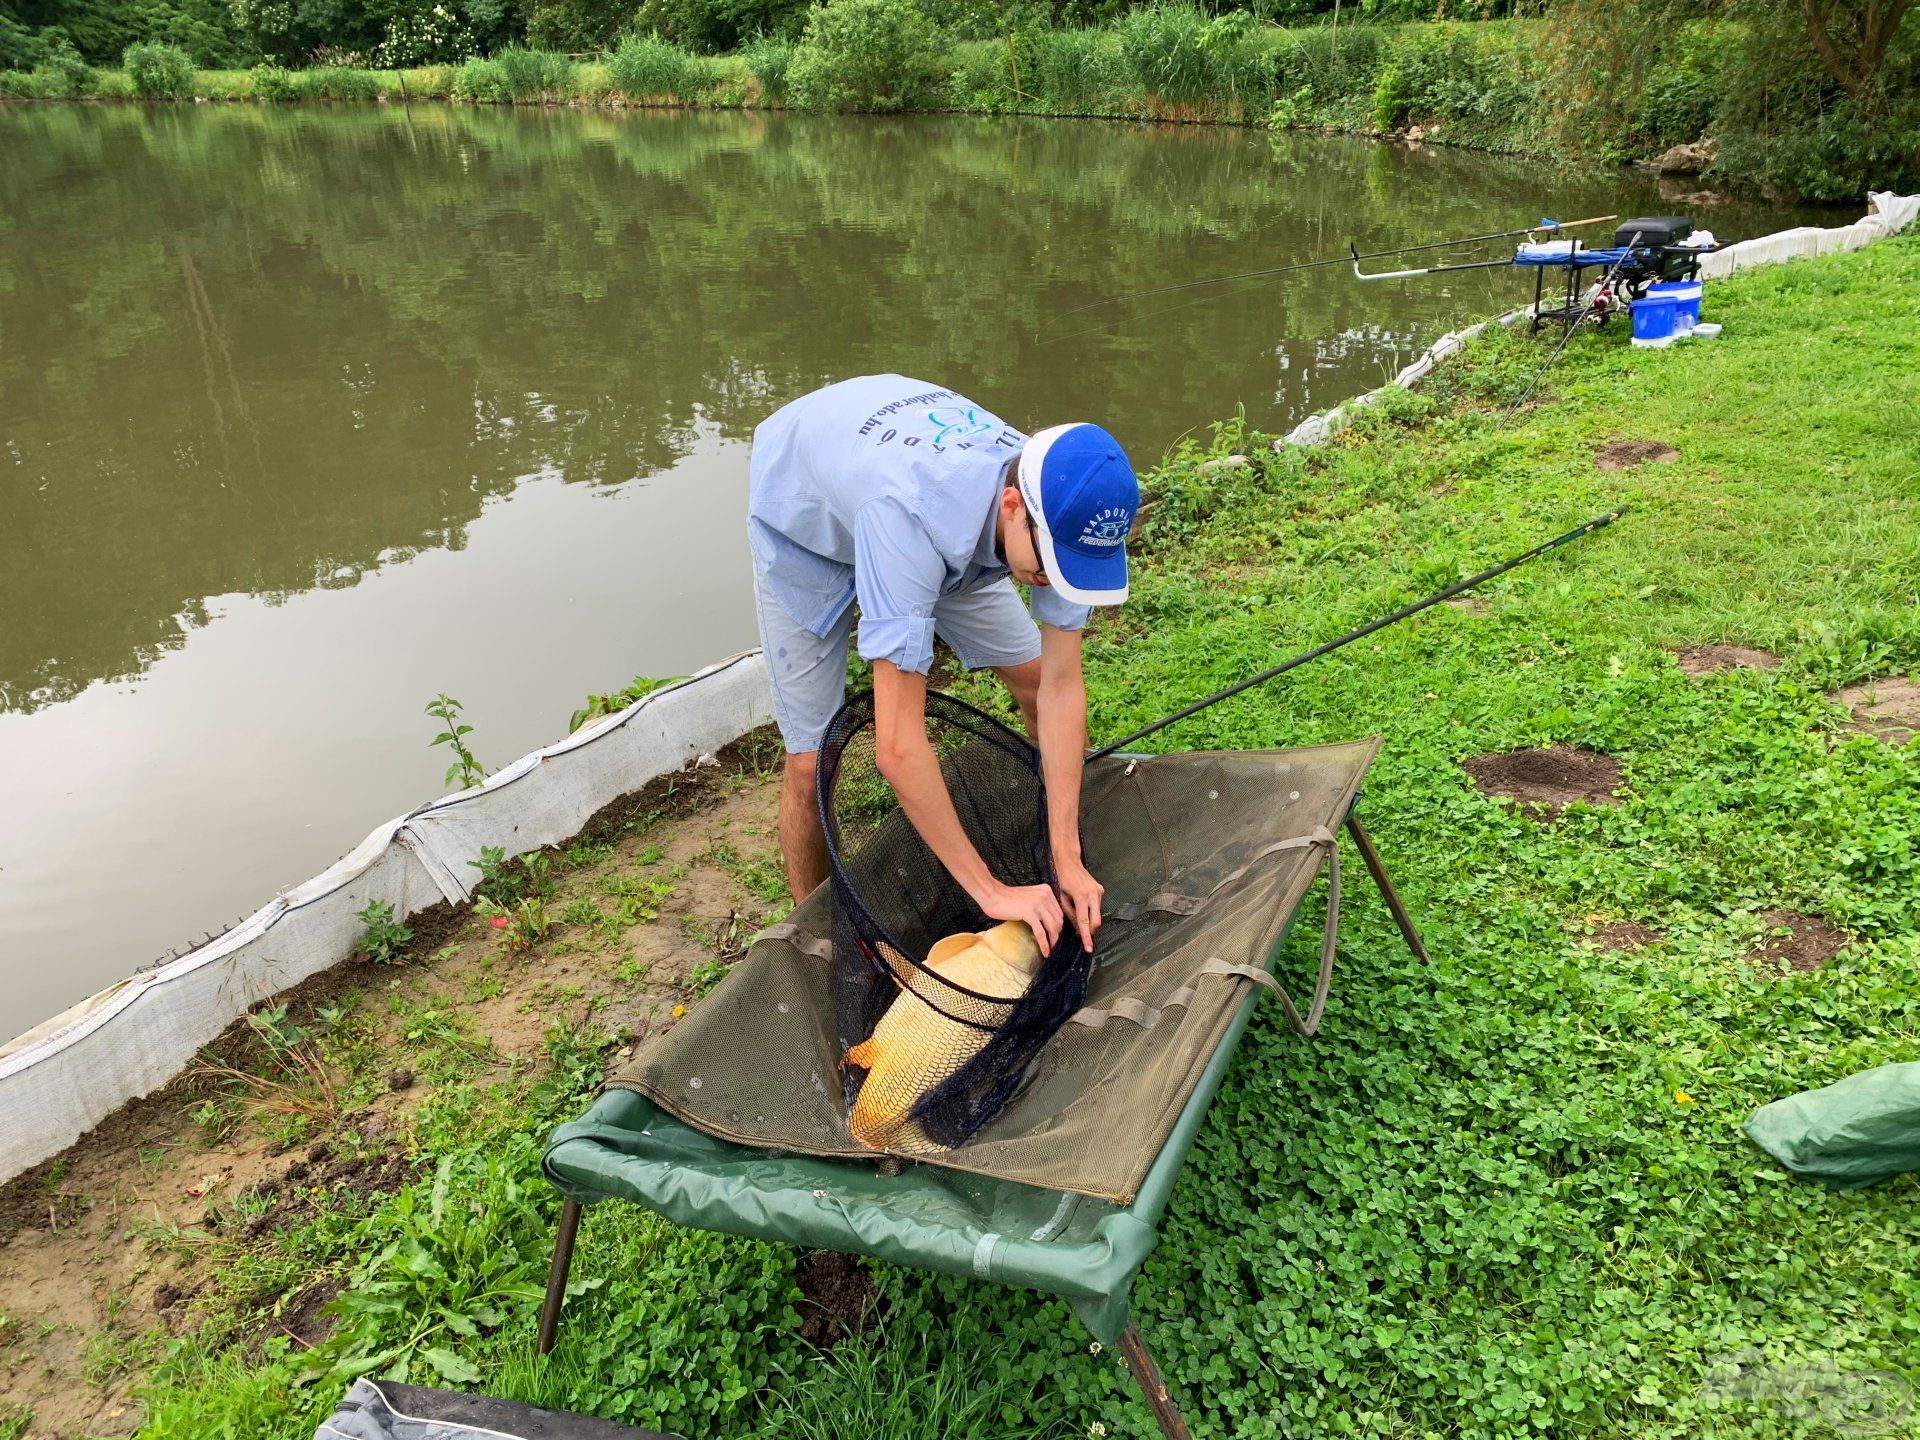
(1798, 942)
(1887, 709)
(1695, 660)
(1467, 604)
(1623, 937)
(837, 1298)
(1546, 782)
(1620, 454)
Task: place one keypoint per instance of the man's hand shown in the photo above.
(1080, 896)
(1035, 904)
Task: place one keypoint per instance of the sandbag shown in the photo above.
(1848, 1135)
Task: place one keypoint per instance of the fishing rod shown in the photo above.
(1330, 646)
(1352, 258)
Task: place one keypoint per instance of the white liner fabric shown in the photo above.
(1887, 214)
(63, 1077)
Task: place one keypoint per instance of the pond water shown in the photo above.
(308, 414)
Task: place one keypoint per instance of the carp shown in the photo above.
(915, 1048)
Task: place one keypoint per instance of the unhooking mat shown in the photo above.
(733, 1120)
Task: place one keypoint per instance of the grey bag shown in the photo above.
(387, 1410)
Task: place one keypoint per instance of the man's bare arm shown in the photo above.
(1063, 748)
(908, 763)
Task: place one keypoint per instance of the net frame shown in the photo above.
(891, 898)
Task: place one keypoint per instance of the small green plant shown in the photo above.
(704, 976)
(158, 72)
(445, 1264)
(499, 882)
(522, 925)
(383, 938)
(618, 700)
(466, 771)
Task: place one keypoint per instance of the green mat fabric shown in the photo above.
(1848, 1135)
(732, 1121)
(1085, 1250)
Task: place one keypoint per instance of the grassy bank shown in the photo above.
(1515, 86)
(1502, 1194)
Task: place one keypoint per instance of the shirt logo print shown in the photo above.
(956, 422)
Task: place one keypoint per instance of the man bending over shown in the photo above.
(926, 508)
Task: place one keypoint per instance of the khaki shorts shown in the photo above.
(986, 628)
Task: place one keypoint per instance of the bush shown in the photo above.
(864, 55)
(534, 74)
(274, 82)
(481, 80)
(423, 35)
(1390, 104)
(648, 68)
(768, 59)
(64, 75)
(159, 72)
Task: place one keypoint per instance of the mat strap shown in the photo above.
(1138, 1012)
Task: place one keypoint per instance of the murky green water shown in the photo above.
(308, 414)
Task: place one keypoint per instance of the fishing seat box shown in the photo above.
(1659, 233)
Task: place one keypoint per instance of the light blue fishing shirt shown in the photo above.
(883, 489)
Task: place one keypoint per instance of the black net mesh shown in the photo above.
(937, 1041)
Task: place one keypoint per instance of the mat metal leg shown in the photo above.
(1364, 843)
(1146, 1374)
(563, 1238)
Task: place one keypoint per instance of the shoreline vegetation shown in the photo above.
(1742, 104)
(1531, 1145)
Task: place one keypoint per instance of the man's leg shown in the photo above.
(1023, 682)
(803, 845)
(989, 629)
(808, 676)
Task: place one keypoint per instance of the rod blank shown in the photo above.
(1363, 631)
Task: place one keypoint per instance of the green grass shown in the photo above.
(1475, 1203)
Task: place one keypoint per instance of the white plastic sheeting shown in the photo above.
(1887, 214)
(64, 1077)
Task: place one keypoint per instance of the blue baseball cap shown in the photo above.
(1081, 493)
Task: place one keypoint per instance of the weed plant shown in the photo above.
(647, 68)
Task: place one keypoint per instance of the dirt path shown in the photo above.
(99, 1260)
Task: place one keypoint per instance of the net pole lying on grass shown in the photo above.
(1404, 612)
